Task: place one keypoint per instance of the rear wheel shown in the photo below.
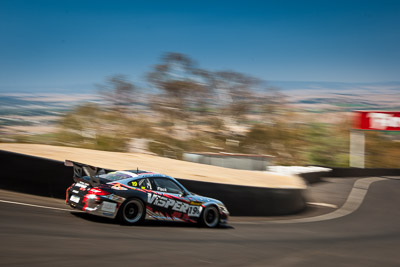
(210, 217)
(132, 212)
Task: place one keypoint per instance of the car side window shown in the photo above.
(141, 183)
(167, 185)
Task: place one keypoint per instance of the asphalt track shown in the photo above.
(38, 236)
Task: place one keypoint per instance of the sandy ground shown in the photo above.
(20, 129)
(175, 168)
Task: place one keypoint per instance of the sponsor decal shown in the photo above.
(108, 206)
(81, 185)
(175, 216)
(161, 189)
(377, 120)
(75, 199)
(118, 186)
(194, 211)
(382, 121)
(175, 205)
(115, 198)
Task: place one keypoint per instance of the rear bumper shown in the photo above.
(104, 206)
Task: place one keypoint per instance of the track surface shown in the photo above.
(370, 236)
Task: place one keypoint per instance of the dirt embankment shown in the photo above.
(175, 168)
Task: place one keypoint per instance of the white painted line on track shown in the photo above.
(333, 206)
(36, 206)
(352, 203)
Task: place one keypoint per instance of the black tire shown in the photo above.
(210, 217)
(132, 212)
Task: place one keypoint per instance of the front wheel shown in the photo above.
(210, 217)
(132, 212)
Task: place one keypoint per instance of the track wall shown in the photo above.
(44, 177)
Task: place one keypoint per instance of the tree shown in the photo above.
(182, 84)
(92, 127)
(118, 92)
(271, 102)
(236, 91)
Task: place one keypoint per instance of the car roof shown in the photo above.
(148, 175)
(137, 171)
(145, 175)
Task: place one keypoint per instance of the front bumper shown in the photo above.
(224, 214)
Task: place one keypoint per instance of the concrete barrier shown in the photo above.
(40, 176)
(334, 172)
(251, 201)
(314, 177)
(34, 175)
(230, 160)
(366, 172)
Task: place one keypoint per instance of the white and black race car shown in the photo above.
(136, 196)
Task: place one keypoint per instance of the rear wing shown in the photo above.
(81, 170)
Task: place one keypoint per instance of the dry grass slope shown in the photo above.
(175, 168)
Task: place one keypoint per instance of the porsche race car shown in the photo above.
(134, 196)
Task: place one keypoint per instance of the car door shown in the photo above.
(171, 200)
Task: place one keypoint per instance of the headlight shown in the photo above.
(223, 209)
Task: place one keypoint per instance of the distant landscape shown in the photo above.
(41, 110)
(36, 113)
(182, 108)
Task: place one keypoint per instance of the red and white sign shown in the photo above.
(377, 120)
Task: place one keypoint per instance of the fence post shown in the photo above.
(357, 149)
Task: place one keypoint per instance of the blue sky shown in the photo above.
(71, 45)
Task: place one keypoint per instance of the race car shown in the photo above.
(134, 196)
